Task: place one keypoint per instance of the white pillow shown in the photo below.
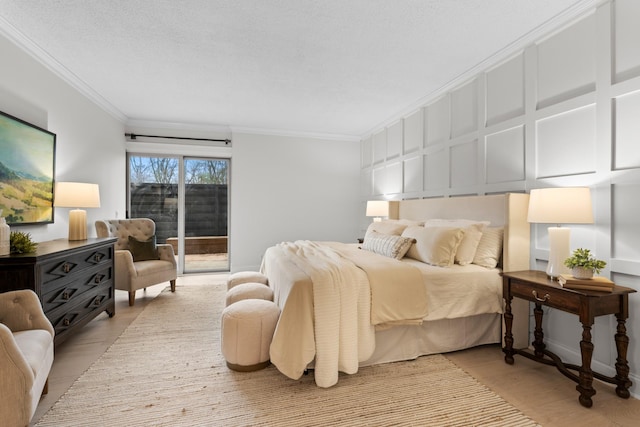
(434, 245)
(388, 245)
(472, 234)
(391, 226)
(490, 247)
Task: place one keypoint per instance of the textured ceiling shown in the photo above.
(338, 67)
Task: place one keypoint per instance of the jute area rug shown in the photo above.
(166, 369)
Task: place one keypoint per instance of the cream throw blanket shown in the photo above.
(343, 322)
(341, 309)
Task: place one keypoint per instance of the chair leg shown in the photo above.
(132, 298)
(173, 285)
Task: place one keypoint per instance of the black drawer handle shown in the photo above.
(66, 322)
(66, 267)
(545, 298)
(96, 302)
(97, 257)
(65, 295)
(97, 279)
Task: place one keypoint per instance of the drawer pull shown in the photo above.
(97, 257)
(66, 267)
(66, 322)
(545, 298)
(96, 302)
(97, 279)
(65, 295)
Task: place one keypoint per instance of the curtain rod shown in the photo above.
(135, 135)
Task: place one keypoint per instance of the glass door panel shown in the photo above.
(205, 214)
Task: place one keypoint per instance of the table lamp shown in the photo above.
(77, 195)
(570, 205)
(377, 209)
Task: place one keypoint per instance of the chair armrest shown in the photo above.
(21, 311)
(124, 261)
(165, 251)
(12, 359)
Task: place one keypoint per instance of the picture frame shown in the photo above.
(27, 172)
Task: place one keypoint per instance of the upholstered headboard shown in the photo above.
(506, 210)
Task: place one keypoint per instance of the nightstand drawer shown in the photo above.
(547, 295)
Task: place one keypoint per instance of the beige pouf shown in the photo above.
(249, 290)
(247, 329)
(240, 277)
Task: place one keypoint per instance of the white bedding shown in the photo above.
(309, 313)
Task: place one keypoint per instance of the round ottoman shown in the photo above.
(249, 290)
(247, 329)
(240, 277)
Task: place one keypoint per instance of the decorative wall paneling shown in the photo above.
(560, 112)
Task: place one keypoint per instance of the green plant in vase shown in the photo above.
(583, 264)
(21, 243)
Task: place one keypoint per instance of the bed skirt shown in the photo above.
(437, 336)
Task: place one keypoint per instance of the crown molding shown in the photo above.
(51, 64)
(551, 26)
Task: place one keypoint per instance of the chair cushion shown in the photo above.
(143, 250)
(34, 345)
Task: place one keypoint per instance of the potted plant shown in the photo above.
(583, 265)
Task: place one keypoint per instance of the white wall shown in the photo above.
(287, 188)
(282, 188)
(90, 142)
(561, 112)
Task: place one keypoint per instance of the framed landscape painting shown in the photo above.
(27, 163)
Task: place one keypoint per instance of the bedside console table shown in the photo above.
(74, 280)
(536, 287)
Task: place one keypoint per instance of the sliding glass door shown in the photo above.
(187, 197)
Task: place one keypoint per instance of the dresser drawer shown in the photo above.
(81, 308)
(67, 268)
(68, 292)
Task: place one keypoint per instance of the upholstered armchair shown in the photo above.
(139, 262)
(26, 356)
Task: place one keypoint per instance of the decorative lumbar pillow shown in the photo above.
(490, 247)
(472, 234)
(434, 245)
(143, 250)
(388, 245)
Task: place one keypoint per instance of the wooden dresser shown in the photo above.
(73, 279)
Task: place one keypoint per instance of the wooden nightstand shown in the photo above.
(536, 287)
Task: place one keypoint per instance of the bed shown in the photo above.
(344, 307)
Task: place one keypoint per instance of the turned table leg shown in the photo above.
(622, 366)
(585, 385)
(538, 342)
(508, 335)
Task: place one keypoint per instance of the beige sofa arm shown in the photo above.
(165, 252)
(21, 311)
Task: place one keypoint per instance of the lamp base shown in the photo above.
(559, 238)
(77, 224)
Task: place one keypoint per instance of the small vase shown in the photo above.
(582, 272)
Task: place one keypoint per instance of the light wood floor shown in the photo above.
(539, 391)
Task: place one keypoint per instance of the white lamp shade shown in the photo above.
(571, 205)
(76, 195)
(377, 208)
